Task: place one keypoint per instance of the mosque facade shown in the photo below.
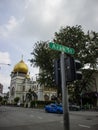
(21, 83)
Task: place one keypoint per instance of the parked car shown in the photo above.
(57, 108)
(74, 107)
(54, 108)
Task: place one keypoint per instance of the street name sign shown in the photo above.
(62, 48)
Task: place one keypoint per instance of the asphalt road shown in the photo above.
(17, 118)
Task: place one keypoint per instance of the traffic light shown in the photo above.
(57, 72)
(57, 75)
(73, 71)
(78, 71)
(70, 68)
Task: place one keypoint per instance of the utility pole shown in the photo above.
(64, 93)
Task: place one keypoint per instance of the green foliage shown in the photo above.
(73, 37)
(30, 94)
(85, 51)
(16, 99)
(40, 104)
(43, 57)
(1, 98)
(84, 46)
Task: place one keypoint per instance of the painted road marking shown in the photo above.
(40, 117)
(84, 126)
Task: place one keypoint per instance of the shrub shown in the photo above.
(16, 99)
(40, 104)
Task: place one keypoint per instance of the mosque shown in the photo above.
(21, 83)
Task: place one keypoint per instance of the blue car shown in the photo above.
(54, 108)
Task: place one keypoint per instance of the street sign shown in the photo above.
(61, 48)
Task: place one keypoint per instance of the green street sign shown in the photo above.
(62, 48)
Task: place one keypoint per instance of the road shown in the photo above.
(18, 118)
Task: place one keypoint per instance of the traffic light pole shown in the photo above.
(64, 92)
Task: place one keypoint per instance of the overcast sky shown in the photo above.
(24, 22)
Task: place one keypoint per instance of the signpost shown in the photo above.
(61, 48)
(64, 93)
(65, 50)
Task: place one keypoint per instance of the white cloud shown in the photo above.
(5, 58)
(4, 76)
(5, 81)
(41, 19)
(8, 28)
(12, 23)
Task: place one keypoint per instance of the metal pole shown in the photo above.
(64, 93)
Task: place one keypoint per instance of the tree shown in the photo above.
(43, 58)
(16, 99)
(29, 95)
(85, 51)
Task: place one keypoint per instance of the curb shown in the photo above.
(84, 113)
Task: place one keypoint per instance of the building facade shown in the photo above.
(21, 83)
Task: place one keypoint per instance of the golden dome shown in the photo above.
(21, 67)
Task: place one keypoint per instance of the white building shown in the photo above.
(21, 83)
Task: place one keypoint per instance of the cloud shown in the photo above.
(8, 28)
(4, 76)
(5, 81)
(41, 19)
(4, 58)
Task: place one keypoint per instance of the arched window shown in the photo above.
(13, 91)
(46, 97)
